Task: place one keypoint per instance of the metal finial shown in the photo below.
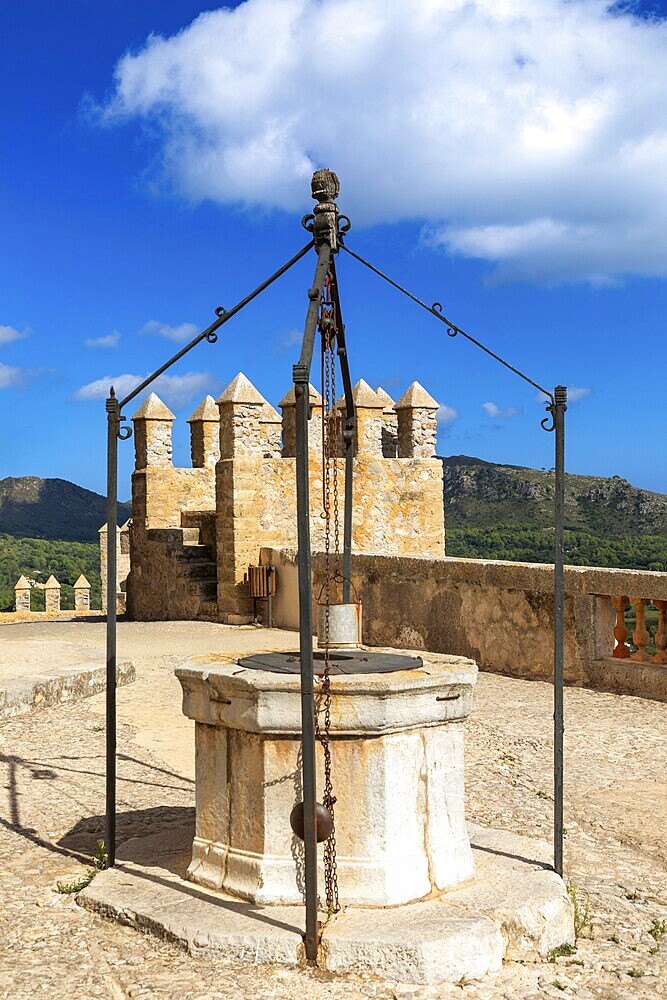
(325, 185)
(112, 393)
(325, 188)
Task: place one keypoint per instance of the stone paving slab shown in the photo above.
(52, 815)
(515, 907)
(29, 692)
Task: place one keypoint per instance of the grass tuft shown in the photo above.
(99, 862)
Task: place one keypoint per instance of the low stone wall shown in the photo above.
(498, 613)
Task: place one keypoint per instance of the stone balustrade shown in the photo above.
(501, 614)
(648, 648)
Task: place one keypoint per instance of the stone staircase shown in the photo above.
(197, 561)
(183, 585)
(197, 566)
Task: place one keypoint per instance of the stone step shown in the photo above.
(208, 611)
(205, 590)
(195, 553)
(204, 569)
(191, 536)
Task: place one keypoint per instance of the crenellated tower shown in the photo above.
(196, 530)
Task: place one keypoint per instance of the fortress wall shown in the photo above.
(499, 613)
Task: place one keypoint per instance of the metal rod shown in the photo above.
(301, 378)
(348, 438)
(223, 316)
(452, 328)
(113, 423)
(114, 431)
(560, 406)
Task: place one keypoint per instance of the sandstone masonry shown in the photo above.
(195, 531)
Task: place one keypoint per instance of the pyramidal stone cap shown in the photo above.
(416, 398)
(364, 397)
(22, 584)
(51, 583)
(241, 390)
(207, 410)
(289, 399)
(386, 399)
(269, 415)
(81, 583)
(153, 409)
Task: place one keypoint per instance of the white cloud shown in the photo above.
(8, 334)
(494, 411)
(181, 334)
(577, 392)
(108, 341)
(527, 133)
(574, 394)
(175, 390)
(11, 376)
(446, 414)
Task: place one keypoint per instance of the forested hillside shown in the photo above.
(38, 558)
(50, 526)
(506, 512)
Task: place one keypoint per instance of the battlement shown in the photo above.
(243, 475)
(242, 422)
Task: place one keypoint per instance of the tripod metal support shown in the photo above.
(301, 378)
(559, 408)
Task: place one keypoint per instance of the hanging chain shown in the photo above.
(328, 331)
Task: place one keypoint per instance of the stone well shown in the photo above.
(397, 762)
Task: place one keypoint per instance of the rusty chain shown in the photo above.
(328, 331)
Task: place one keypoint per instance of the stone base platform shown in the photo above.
(19, 695)
(516, 908)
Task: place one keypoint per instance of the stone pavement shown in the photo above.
(52, 804)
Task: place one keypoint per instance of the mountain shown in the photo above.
(53, 508)
(481, 494)
(506, 512)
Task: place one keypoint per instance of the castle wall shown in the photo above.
(243, 476)
(501, 614)
(397, 510)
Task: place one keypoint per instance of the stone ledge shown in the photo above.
(266, 702)
(515, 909)
(44, 690)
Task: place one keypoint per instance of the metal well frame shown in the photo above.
(328, 228)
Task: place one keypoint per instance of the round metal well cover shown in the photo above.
(343, 661)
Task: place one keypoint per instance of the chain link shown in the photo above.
(328, 331)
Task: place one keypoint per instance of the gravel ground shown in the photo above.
(52, 765)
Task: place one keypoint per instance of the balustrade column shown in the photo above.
(621, 651)
(640, 636)
(661, 635)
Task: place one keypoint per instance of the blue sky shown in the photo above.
(507, 159)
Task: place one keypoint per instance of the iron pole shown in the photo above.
(301, 379)
(560, 406)
(113, 423)
(348, 438)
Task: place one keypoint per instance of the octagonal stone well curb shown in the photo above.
(396, 749)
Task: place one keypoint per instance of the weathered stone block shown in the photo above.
(396, 737)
